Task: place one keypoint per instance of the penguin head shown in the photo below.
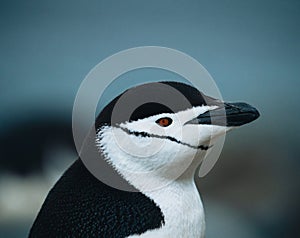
(160, 131)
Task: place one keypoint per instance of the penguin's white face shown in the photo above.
(162, 146)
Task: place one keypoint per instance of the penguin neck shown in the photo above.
(182, 208)
(179, 201)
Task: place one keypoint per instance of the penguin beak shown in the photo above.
(230, 115)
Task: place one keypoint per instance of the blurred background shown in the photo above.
(252, 50)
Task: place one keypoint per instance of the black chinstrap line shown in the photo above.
(146, 134)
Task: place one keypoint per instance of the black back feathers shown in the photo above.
(79, 205)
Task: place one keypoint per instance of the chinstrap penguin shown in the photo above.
(156, 151)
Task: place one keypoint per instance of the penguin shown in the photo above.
(155, 147)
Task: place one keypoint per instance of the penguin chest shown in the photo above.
(183, 212)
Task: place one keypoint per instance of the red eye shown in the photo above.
(165, 121)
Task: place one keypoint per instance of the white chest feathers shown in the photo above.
(183, 212)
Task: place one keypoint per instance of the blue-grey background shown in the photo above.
(252, 50)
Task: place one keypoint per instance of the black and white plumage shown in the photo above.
(167, 203)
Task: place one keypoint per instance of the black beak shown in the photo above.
(230, 114)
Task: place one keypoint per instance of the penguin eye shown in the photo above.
(164, 122)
